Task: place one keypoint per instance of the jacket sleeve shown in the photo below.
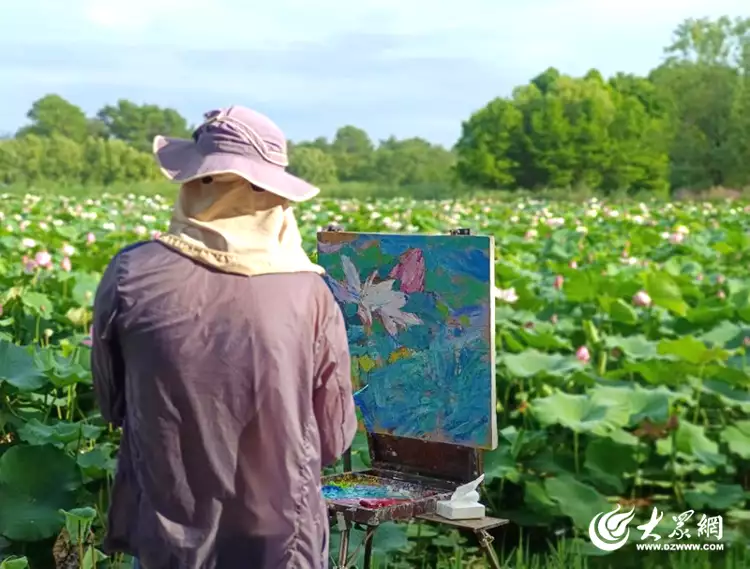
(107, 365)
(332, 398)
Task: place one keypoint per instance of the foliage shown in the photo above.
(686, 126)
(657, 413)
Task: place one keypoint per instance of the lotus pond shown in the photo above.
(623, 374)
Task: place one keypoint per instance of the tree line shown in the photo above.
(686, 125)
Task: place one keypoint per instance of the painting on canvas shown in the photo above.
(420, 318)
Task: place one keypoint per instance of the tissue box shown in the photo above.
(459, 511)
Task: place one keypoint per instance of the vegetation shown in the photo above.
(685, 126)
(622, 328)
(622, 374)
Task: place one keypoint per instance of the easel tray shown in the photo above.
(372, 497)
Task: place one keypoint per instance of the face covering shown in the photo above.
(224, 222)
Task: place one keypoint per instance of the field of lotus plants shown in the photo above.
(623, 374)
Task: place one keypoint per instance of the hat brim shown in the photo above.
(180, 161)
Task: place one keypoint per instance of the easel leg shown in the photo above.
(344, 548)
(348, 460)
(369, 535)
(485, 542)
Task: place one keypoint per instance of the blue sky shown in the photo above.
(401, 67)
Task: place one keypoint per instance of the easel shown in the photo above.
(429, 461)
(437, 465)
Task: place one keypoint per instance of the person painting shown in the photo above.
(222, 354)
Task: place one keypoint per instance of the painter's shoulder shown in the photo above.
(139, 247)
(132, 255)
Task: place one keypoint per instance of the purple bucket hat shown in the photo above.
(236, 141)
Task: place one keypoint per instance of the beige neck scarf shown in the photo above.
(235, 228)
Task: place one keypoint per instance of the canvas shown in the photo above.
(420, 317)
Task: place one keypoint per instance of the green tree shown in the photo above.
(137, 125)
(63, 160)
(412, 161)
(10, 164)
(312, 164)
(639, 144)
(58, 160)
(547, 156)
(546, 80)
(704, 79)
(321, 143)
(352, 150)
(488, 152)
(561, 132)
(54, 115)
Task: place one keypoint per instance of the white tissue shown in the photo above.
(464, 503)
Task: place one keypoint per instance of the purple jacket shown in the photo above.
(232, 393)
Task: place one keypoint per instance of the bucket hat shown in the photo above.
(235, 140)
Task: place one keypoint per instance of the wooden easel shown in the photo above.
(436, 465)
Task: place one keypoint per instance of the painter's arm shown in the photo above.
(107, 366)
(332, 398)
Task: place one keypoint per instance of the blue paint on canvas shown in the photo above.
(420, 321)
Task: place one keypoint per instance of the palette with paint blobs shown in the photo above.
(370, 497)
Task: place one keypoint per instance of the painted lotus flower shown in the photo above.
(410, 271)
(374, 299)
(326, 247)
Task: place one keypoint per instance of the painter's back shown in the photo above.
(232, 392)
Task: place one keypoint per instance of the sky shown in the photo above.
(392, 67)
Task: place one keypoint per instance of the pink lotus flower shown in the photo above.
(155, 234)
(29, 265)
(68, 250)
(676, 238)
(583, 354)
(410, 271)
(641, 298)
(90, 238)
(721, 294)
(43, 259)
(90, 339)
(559, 280)
(573, 265)
(66, 265)
(553, 319)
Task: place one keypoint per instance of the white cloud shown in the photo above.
(483, 29)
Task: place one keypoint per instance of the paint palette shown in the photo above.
(371, 495)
